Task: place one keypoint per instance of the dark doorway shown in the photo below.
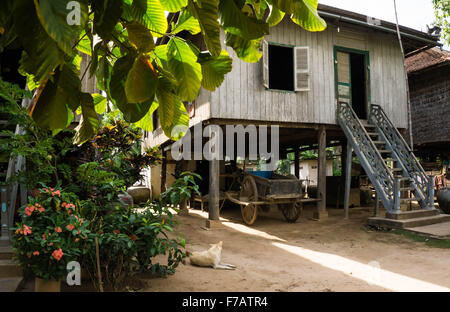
(358, 79)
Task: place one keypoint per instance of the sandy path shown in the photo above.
(330, 255)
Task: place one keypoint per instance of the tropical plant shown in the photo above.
(118, 148)
(442, 14)
(45, 154)
(50, 234)
(143, 59)
(130, 239)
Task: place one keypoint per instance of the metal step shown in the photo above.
(385, 151)
(397, 169)
(379, 142)
(409, 188)
(409, 199)
(369, 126)
(373, 133)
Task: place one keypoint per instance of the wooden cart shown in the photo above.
(260, 193)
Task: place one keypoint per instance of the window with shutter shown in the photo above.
(265, 64)
(285, 67)
(301, 66)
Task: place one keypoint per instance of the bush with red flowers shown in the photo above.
(51, 234)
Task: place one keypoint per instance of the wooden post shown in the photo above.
(163, 172)
(376, 205)
(213, 197)
(297, 163)
(348, 178)
(4, 212)
(322, 176)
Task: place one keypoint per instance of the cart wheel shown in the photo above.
(292, 211)
(249, 193)
(249, 213)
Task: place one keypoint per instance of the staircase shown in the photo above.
(10, 273)
(391, 166)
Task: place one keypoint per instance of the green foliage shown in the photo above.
(442, 14)
(130, 239)
(50, 234)
(44, 153)
(125, 57)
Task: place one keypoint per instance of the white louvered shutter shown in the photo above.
(265, 64)
(301, 68)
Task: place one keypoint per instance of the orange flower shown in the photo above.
(26, 230)
(58, 229)
(57, 254)
(76, 240)
(70, 227)
(133, 237)
(36, 253)
(43, 236)
(29, 210)
(116, 231)
(56, 193)
(51, 244)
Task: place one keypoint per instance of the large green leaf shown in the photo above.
(48, 109)
(206, 12)
(106, 15)
(141, 37)
(132, 112)
(56, 97)
(84, 44)
(70, 85)
(214, 69)
(304, 13)
(42, 55)
(150, 13)
(275, 17)
(246, 50)
(173, 5)
(89, 122)
(53, 15)
(237, 23)
(161, 56)
(183, 65)
(142, 81)
(186, 22)
(172, 112)
(100, 103)
(146, 123)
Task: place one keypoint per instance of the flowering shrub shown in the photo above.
(50, 235)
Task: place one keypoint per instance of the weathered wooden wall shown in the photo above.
(242, 95)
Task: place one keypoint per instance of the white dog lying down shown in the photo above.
(210, 258)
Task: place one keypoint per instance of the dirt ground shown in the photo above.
(329, 255)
